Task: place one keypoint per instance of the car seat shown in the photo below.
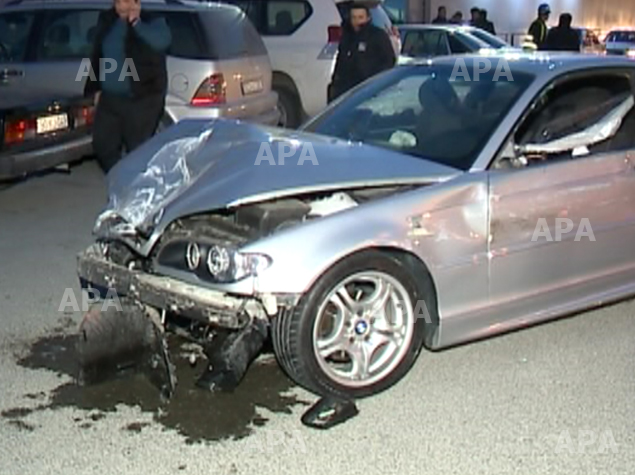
(438, 97)
(441, 131)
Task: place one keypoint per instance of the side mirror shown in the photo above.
(511, 157)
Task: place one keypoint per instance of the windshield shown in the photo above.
(622, 36)
(493, 41)
(426, 111)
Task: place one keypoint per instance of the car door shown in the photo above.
(562, 228)
(64, 40)
(16, 29)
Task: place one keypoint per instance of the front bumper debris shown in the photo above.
(115, 340)
(204, 305)
(126, 332)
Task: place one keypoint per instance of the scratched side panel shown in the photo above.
(450, 235)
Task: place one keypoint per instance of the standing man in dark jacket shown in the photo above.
(130, 98)
(475, 19)
(364, 51)
(486, 24)
(563, 37)
(539, 29)
(442, 17)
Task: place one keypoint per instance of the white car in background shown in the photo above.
(301, 37)
(621, 41)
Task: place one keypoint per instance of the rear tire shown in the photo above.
(296, 337)
(289, 108)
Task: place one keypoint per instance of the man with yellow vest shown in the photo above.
(539, 29)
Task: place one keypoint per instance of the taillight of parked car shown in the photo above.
(335, 33)
(212, 91)
(85, 116)
(19, 130)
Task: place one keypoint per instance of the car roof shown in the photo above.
(539, 63)
(450, 27)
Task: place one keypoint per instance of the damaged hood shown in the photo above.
(200, 165)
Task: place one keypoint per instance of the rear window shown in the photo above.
(460, 44)
(230, 34)
(622, 36)
(15, 29)
(493, 41)
(187, 37)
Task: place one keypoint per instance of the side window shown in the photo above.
(15, 29)
(580, 117)
(456, 45)
(284, 17)
(67, 34)
(425, 43)
(408, 42)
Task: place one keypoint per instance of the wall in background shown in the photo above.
(511, 16)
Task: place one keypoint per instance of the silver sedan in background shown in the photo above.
(419, 210)
(427, 41)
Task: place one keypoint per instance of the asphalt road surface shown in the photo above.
(554, 399)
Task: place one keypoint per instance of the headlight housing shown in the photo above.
(213, 262)
(631, 53)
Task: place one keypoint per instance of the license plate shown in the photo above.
(252, 87)
(52, 123)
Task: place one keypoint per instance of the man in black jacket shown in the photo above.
(563, 37)
(364, 51)
(486, 24)
(128, 79)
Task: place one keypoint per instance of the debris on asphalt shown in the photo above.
(117, 341)
(329, 412)
(228, 361)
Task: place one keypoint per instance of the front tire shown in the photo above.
(368, 301)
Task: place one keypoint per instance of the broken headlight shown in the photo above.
(211, 261)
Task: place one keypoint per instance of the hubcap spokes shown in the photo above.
(369, 326)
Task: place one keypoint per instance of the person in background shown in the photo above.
(364, 51)
(442, 16)
(457, 18)
(563, 37)
(538, 29)
(476, 17)
(486, 24)
(130, 100)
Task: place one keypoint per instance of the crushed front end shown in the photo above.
(173, 290)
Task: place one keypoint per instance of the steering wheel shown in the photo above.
(4, 52)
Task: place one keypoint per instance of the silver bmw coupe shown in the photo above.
(438, 203)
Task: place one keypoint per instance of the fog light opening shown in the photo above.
(193, 256)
